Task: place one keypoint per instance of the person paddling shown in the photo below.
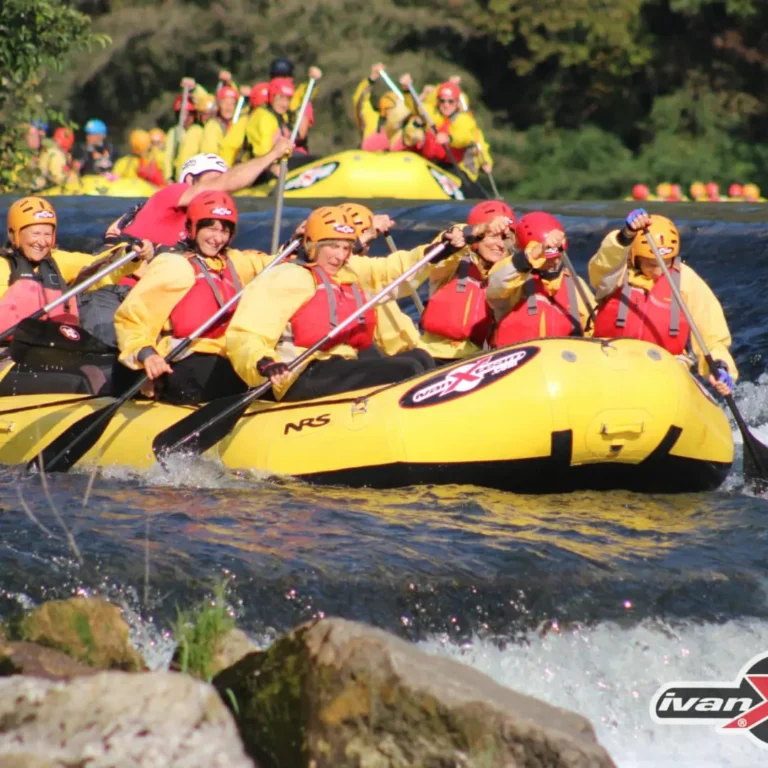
(635, 301)
(532, 294)
(372, 123)
(457, 321)
(182, 287)
(97, 155)
(162, 218)
(296, 305)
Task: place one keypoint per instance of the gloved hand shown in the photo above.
(637, 219)
(267, 367)
(723, 383)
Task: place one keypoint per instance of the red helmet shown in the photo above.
(735, 190)
(534, 227)
(190, 104)
(713, 189)
(489, 210)
(640, 192)
(448, 90)
(227, 92)
(259, 94)
(281, 86)
(212, 204)
(64, 138)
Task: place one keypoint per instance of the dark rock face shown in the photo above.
(339, 693)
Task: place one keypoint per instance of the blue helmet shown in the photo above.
(40, 124)
(94, 126)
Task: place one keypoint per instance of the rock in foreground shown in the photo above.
(119, 720)
(338, 693)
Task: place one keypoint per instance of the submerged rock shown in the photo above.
(89, 630)
(339, 693)
(118, 720)
(22, 658)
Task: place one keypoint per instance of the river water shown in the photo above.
(587, 600)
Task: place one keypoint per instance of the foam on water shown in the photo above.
(609, 674)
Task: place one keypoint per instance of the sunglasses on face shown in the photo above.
(446, 101)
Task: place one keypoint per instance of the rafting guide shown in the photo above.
(740, 707)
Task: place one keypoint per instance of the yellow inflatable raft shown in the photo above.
(549, 415)
(105, 185)
(358, 174)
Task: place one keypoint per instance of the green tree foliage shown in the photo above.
(578, 99)
(35, 36)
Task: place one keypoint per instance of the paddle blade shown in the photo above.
(201, 429)
(755, 459)
(72, 444)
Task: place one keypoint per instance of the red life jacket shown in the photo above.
(209, 293)
(376, 142)
(149, 171)
(653, 315)
(30, 289)
(458, 310)
(332, 304)
(523, 322)
(160, 219)
(445, 127)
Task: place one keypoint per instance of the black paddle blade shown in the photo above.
(201, 429)
(72, 444)
(755, 460)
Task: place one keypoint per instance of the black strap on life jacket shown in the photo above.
(626, 291)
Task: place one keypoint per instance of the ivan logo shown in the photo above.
(740, 707)
(221, 211)
(45, 215)
(311, 176)
(317, 421)
(450, 187)
(467, 378)
(69, 333)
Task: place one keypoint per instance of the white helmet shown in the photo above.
(202, 163)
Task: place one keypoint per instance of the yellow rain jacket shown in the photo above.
(366, 117)
(258, 328)
(606, 273)
(127, 167)
(214, 133)
(53, 164)
(143, 318)
(506, 289)
(71, 263)
(190, 146)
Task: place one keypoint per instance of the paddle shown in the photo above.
(284, 166)
(186, 90)
(489, 174)
(212, 422)
(580, 288)
(755, 453)
(420, 106)
(72, 444)
(71, 293)
(238, 108)
(414, 291)
(391, 85)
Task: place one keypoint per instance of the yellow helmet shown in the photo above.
(139, 141)
(204, 102)
(663, 190)
(665, 235)
(362, 217)
(387, 101)
(26, 212)
(327, 223)
(157, 136)
(751, 192)
(697, 189)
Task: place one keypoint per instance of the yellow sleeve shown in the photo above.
(707, 313)
(55, 166)
(608, 266)
(298, 96)
(463, 130)
(262, 315)
(213, 136)
(485, 151)
(395, 331)
(127, 167)
(366, 117)
(583, 308)
(505, 287)
(261, 131)
(190, 146)
(374, 273)
(249, 263)
(141, 317)
(233, 141)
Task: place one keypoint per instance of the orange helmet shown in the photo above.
(665, 235)
(157, 136)
(489, 210)
(213, 204)
(697, 190)
(139, 141)
(26, 212)
(362, 217)
(751, 192)
(386, 102)
(663, 190)
(327, 223)
(448, 90)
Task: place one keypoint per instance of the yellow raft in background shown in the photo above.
(543, 416)
(106, 186)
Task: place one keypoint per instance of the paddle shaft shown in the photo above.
(241, 404)
(752, 447)
(480, 152)
(284, 167)
(52, 463)
(391, 85)
(580, 288)
(420, 106)
(182, 118)
(414, 291)
(238, 109)
(71, 293)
